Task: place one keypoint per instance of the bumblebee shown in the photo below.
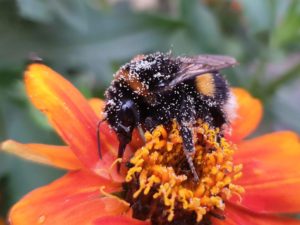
(159, 88)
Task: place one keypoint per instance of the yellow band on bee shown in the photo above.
(205, 84)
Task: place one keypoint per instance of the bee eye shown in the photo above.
(128, 114)
(127, 106)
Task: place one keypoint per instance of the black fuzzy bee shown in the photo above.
(158, 88)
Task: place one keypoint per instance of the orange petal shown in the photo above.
(249, 114)
(73, 199)
(57, 156)
(271, 174)
(239, 216)
(119, 220)
(98, 106)
(71, 116)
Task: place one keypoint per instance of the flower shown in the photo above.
(160, 169)
(92, 192)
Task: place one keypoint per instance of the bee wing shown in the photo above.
(200, 64)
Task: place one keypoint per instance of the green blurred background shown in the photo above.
(87, 40)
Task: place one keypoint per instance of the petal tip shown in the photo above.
(249, 114)
(5, 144)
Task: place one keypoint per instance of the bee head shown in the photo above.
(123, 117)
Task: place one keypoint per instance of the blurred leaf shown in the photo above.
(8, 77)
(72, 12)
(85, 83)
(201, 26)
(35, 10)
(286, 108)
(39, 118)
(288, 29)
(115, 35)
(234, 47)
(4, 195)
(258, 15)
(163, 21)
(282, 80)
(182, 44)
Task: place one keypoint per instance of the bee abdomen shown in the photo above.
(213, 86)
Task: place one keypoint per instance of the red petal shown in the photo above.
(271, 174)
(73, 199)
(58, 156)
(249, 114)
(238, 216)
(71, 116)
(136, 141)
(119, 220)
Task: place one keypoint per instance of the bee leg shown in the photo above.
(124, 139)
(122, 146)
(189, 148)
(186, 118)
(141, 133)
(150, 123)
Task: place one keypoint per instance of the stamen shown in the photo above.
(115, 163)
(160, 176)
(108, 195)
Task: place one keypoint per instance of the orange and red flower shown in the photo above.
(85, 195)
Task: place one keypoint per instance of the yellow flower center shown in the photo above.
(160, 185)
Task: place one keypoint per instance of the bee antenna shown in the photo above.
(98, 137)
